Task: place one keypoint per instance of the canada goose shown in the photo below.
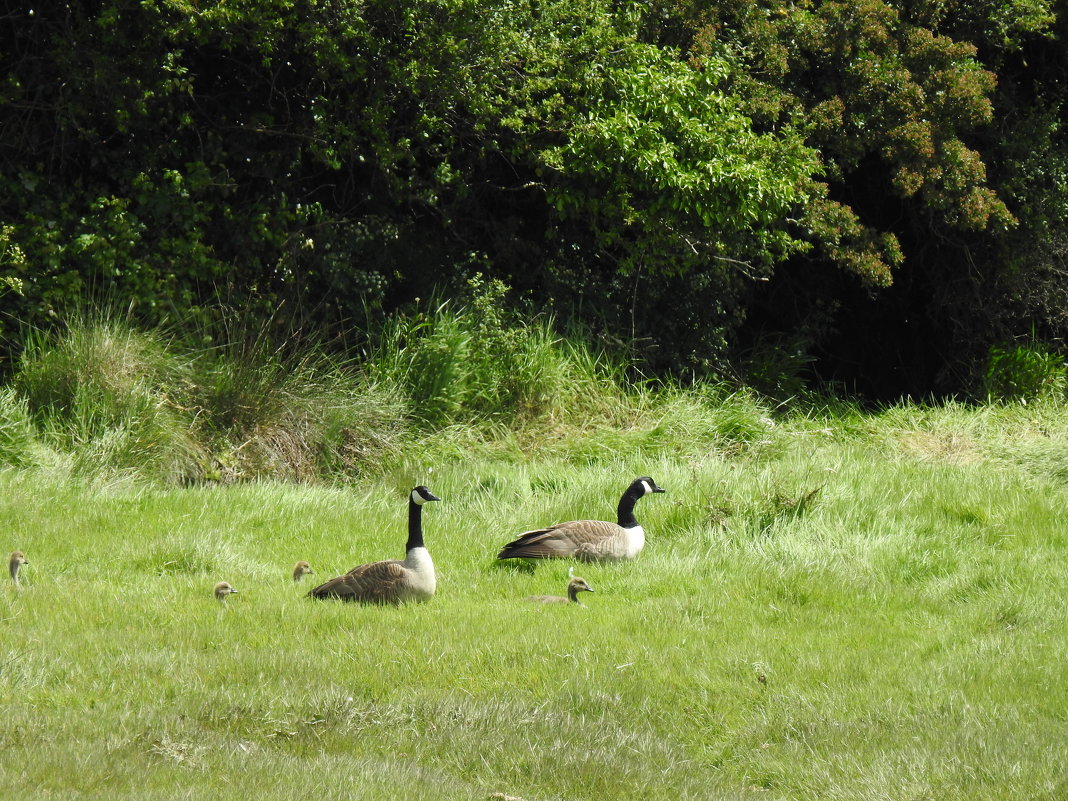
(301, 569)
(18, 559)
(222, 589)
(394, 580)
(588, 540)
(576, 585)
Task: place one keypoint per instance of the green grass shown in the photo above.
(841, 606)
(236, 398)
(475, 360)
(100, 400)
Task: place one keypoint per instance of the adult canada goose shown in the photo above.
(222, 589)
(576, 585)
(302, 569)
(588, 540)
(18, 559)
(394, 580)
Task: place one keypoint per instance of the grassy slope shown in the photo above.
(866, 608)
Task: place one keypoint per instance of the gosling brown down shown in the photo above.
(222, 590)
(302, 569)
(576, 585)
(15, 563)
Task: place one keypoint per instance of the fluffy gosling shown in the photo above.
(302, 569)
(222, 589)
(576, 585)
(18, 559)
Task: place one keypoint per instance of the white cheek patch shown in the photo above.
(417, 498)
(646, 487)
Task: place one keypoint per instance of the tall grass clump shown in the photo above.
(1025, 372)
(19, 443)
(477, 360)
(105, 399)
(712, 417)
(289, 410)
(98, 390)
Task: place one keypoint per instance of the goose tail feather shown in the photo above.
(532, 545)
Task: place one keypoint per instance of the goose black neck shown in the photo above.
(415, 526)
(625, 512)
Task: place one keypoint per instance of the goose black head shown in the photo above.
(421, 495)
(647, 485)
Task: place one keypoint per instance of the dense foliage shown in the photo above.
(877, 186)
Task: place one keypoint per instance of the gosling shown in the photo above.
(302, 569)
(222, 589)
(576, 585)
(18, 559)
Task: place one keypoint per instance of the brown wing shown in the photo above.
(588, 539)
(377, 582)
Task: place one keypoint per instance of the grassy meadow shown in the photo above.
(831, 604)
(856, 607)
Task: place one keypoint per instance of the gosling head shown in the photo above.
(222, 589)
(575, 586)
(18, 559)
(302, 569)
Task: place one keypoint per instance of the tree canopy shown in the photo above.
(688, 180)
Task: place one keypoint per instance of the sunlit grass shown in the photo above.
(826, 608)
